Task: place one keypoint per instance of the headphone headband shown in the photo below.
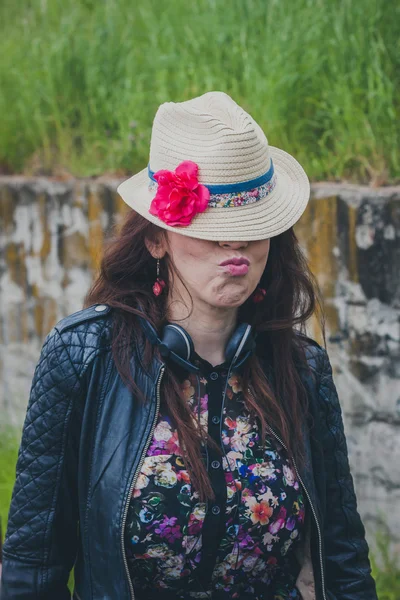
(177, 345)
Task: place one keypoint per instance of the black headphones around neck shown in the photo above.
(175, 344)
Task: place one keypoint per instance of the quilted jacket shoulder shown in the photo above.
(313, 352)
(96, 312)
(84, 334)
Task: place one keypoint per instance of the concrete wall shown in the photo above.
(352, 238)
(51, 242)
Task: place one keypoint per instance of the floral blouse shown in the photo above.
(238, 546)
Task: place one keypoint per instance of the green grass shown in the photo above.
(386, 569)
(8, 457)
(81, 80)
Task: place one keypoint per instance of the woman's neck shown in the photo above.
(209, 327)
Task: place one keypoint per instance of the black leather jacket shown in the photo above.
(82, 443)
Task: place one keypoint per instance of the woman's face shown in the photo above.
(221, 274)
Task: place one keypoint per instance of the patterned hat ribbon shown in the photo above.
(234, 194)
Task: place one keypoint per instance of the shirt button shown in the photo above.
(100, 307)
(215, 420)
(216, 510)
(214, 376)
(215, 464)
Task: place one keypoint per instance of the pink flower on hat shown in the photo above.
(179, 195)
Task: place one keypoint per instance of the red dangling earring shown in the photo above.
(159, 284)
(259, 295)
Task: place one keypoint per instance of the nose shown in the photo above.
(233, 245)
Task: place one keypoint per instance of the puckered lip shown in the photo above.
(235, 260)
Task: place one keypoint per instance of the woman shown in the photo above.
(183, 439)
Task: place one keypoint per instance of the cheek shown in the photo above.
(193, 261)
(195, 273)
(195, 264)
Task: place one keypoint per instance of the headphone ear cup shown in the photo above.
(176, 344)
(242, 343)
(178, 341)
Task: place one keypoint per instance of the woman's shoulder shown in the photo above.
(76, 339)
(94, 318)
(312, 354)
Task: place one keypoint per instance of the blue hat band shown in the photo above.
(235, 194)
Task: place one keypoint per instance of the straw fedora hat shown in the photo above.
(212, 174)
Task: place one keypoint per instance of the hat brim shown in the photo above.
(264, 219)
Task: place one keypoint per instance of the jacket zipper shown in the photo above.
(313, 511)
(136, 474)
(311, 504)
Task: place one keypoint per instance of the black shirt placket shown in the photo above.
(214, 522)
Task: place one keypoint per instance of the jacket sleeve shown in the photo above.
(41, 537)
(348, 571)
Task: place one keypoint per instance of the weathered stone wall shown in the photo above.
(51, 242)
(352, 238)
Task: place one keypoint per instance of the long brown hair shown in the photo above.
(127, 273)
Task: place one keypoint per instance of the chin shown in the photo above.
(233, 301)
(230, 296)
